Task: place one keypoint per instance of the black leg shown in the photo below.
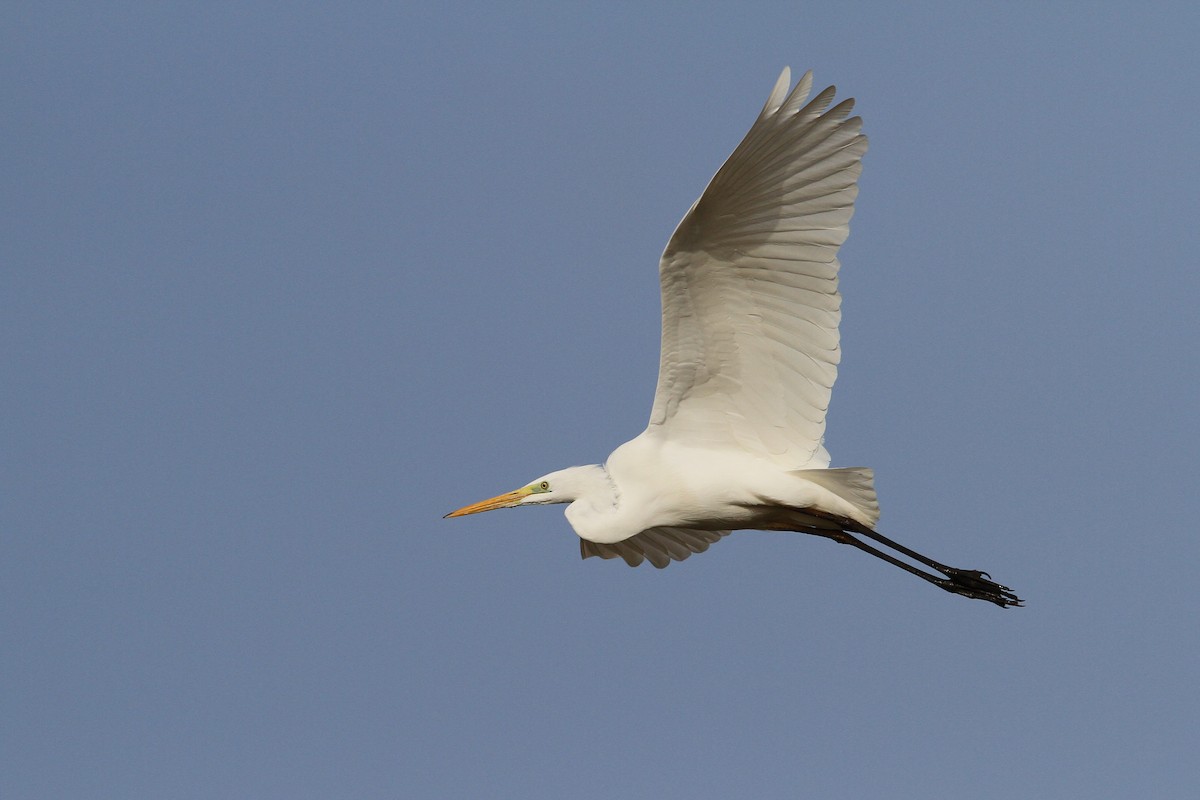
(967, 582)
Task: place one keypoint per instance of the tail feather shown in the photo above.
(855, 485)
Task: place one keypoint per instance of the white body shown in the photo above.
(717, 490)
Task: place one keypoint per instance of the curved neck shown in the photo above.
(590, 485)
(595, 499)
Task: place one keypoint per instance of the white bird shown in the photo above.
(749, 356)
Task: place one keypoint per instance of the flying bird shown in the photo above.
(750, 314)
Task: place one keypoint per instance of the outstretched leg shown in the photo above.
(967, 582)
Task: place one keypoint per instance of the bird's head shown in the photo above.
(553, 488)
(564, 486)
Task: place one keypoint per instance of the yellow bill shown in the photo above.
(506, 500)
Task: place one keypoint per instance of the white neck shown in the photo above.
(593, 495)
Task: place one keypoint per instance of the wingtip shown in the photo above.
(779, 93)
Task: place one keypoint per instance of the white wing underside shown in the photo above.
(749, 286)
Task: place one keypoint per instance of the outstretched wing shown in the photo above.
(749, 285)
(660, 546)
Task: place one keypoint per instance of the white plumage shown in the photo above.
(749, 356)
(749, 285)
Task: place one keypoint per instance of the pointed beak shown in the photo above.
(507, 500)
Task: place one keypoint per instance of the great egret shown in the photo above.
(749, 355)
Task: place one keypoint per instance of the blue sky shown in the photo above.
(283, 284)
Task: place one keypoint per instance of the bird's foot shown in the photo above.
(979, 585)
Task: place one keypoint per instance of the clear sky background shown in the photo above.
(280, 285)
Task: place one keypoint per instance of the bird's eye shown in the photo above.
(544, 486)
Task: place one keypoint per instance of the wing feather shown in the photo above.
(751, 308)
(659, 546)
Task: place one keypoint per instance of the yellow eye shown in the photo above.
(544, 486)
